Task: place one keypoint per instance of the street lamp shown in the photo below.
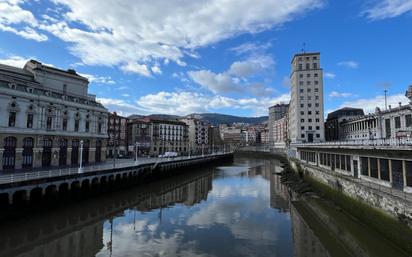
(81, 155)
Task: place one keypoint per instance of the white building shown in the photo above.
(45, 116)
(306, 121)
(276, 112)
(198, 134)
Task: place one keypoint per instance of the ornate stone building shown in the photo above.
(46, 115)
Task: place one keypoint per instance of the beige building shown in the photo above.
(306, 121)
(198, 135)
(47, 116)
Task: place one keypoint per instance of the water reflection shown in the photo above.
(237, 210)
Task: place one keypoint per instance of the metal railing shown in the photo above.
(391, 142)
(33, 175)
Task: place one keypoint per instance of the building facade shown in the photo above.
(47, 117)
(117, 130)
(276, 112)
(280, 130)
(333, 130)
(306, 121)
(198, 135)
(156, 137)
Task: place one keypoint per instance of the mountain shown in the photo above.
(212, 118)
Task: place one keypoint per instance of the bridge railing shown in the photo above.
(390, 142)
(33, 175)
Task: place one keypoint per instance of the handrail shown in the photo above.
(361, 142)
(25, 176)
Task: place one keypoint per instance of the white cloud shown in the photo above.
(98, 79)
(330, 75)
(21, 22)
(388, 9)
(120, 106)
(136, 68)
(251, 48)
(369, 104)
(349, 64)
(16, 61)
(339, 94)
(155, 30)
(231, 80)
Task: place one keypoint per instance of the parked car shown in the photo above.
(168, 155)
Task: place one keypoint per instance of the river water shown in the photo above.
(240, 209)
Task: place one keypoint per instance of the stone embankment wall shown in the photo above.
(395, 205)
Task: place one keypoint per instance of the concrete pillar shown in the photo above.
(92, 155)
(404, 173)
(10, 198)
(369, 166)
(37, 155)
(19, 158)
(1, 158)
(103, 154)
(55, 156)
(69, 156)
(27, 196)
(390, 171)
(379, 168)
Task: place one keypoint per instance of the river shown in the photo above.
(240, 209)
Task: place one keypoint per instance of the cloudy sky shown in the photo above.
(226, 56)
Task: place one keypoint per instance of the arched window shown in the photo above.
(63, 152)
(9, 154)
(98, 153)
(47, 152)
(27, 154)
(75, 151)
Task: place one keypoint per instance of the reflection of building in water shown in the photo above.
(279, 195)
(188, 193)
(87, 241)
(306, 243)
(78, 230)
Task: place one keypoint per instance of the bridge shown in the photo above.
(26, 186)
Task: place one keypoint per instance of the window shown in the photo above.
(64, 126)
(302, 113)
(49, 122)
(310, 128)
(309, 105)
(408, 170)
(307, 66)
(309, 90)
(374, 167)
(316, 90)
(388, 128)
(12, 119)
(317, 127)
(309, 120)
(315, 65)
(317, 97)
(302, 127)
(302, 135)
(301, 83)
(99, 128)
(317, 120)
(308, 75)
(301, 76)
(76, 125)
(87, 126)
(300, 66)
(317, 135)
(364, 166)
(384, 165)
(302, 120)
(316, 75)
(302, 98)
(309, 98)
(309, 112)
(317, 112)
(408, 120)
(29, 123)
(307, 82)
(302, 105)
(316, 82)
(301, 90)
(316, 104)
(397, 122)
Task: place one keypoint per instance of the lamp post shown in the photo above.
(81, 155)
(136, 144)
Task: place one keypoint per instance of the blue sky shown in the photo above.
(232, 56)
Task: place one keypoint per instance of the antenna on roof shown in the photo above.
(303, 47)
